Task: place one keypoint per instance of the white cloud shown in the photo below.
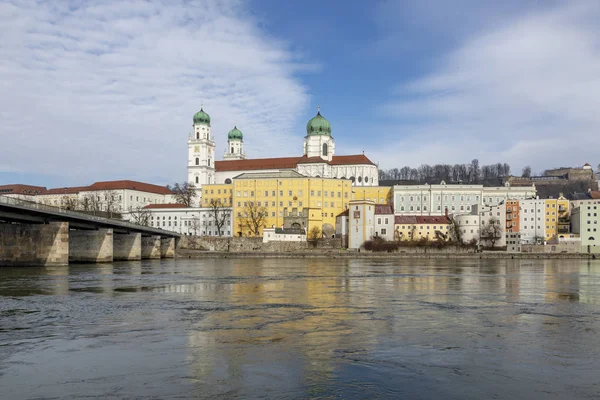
(524, 92)
(106, 90)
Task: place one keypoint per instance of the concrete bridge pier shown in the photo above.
(34, 245)
(150, 247)
(127, 246)
(167, 247)
(91, 246)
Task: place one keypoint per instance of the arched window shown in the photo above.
(209, 162)
(325, 149)
(366, 179)
(352, 179)
(197, 181)
(359, 179)
(197, 161)
(231, 149)
(228, 181)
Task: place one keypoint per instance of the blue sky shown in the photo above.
(107, 89)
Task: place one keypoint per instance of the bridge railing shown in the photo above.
(11, 201)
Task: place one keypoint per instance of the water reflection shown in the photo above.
(303, 328)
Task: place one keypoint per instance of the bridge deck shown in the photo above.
(22, 211)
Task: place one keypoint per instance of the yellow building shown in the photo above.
(220, 193)
(283, 196)
(416, 227)
(377, 194)
(557, 217)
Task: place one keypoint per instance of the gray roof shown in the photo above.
(275, 175)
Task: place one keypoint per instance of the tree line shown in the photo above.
(472, 172)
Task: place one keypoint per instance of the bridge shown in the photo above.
(33, 234)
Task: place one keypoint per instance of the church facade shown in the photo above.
(318, 159)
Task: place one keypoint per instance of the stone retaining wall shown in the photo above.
(245, 244)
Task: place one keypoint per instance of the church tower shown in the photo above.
(201, 153)
(318, 141)
(235, 145)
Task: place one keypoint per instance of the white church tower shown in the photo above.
(201, 153)
(235, 145)
(318, 141)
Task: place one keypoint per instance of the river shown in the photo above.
(287, 329)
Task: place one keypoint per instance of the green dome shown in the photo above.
(201, 118)
(318, 126)
(235, 134)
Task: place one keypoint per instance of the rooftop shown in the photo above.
(286, 162)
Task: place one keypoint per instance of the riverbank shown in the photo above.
(344, 254)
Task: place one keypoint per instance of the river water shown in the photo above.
(286, 329)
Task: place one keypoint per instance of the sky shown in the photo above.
(103, 90)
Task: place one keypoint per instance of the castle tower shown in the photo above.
(235, 145)
(201, 153)
(318, 141)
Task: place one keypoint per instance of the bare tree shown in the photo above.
(196, 225)
(91, 203)
(314, 236)
(140, 216)
(111, 201)
(455, 231)
(69, 203)
(492, 231)
(526, 172)
(253, 218)
(184, 193)
(220, 214)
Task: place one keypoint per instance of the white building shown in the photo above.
(484, 224)
(361, 227)
(198, 221)
(531, 221)
(585, 221)
(318, 159)
(455, 199)
(283, 235)
(118, 196)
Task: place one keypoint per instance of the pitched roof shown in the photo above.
(311, 160)
(384, 209)
(286, 162)
(266, 175)
(344, 213)
(351, 159)
(131, 185)
(170, 205)
(22, 189)
(421, 219)
(256, 164)
(66, 190)
(595, 194)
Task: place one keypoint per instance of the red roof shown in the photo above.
(18, 188)
(343, 213)
(286, 162)
(384, 209)
(67, 190)
(595, 194)
(421, 219)
(257, 164)
(311, 160)
(352, 159)
(131, 185)
(171, 205)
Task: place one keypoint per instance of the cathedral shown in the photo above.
(318, 158)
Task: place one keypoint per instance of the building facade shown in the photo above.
(283, 196)
(197, 221)
(454, 199)
(317, 161)
(415, 228)
(585, 222)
